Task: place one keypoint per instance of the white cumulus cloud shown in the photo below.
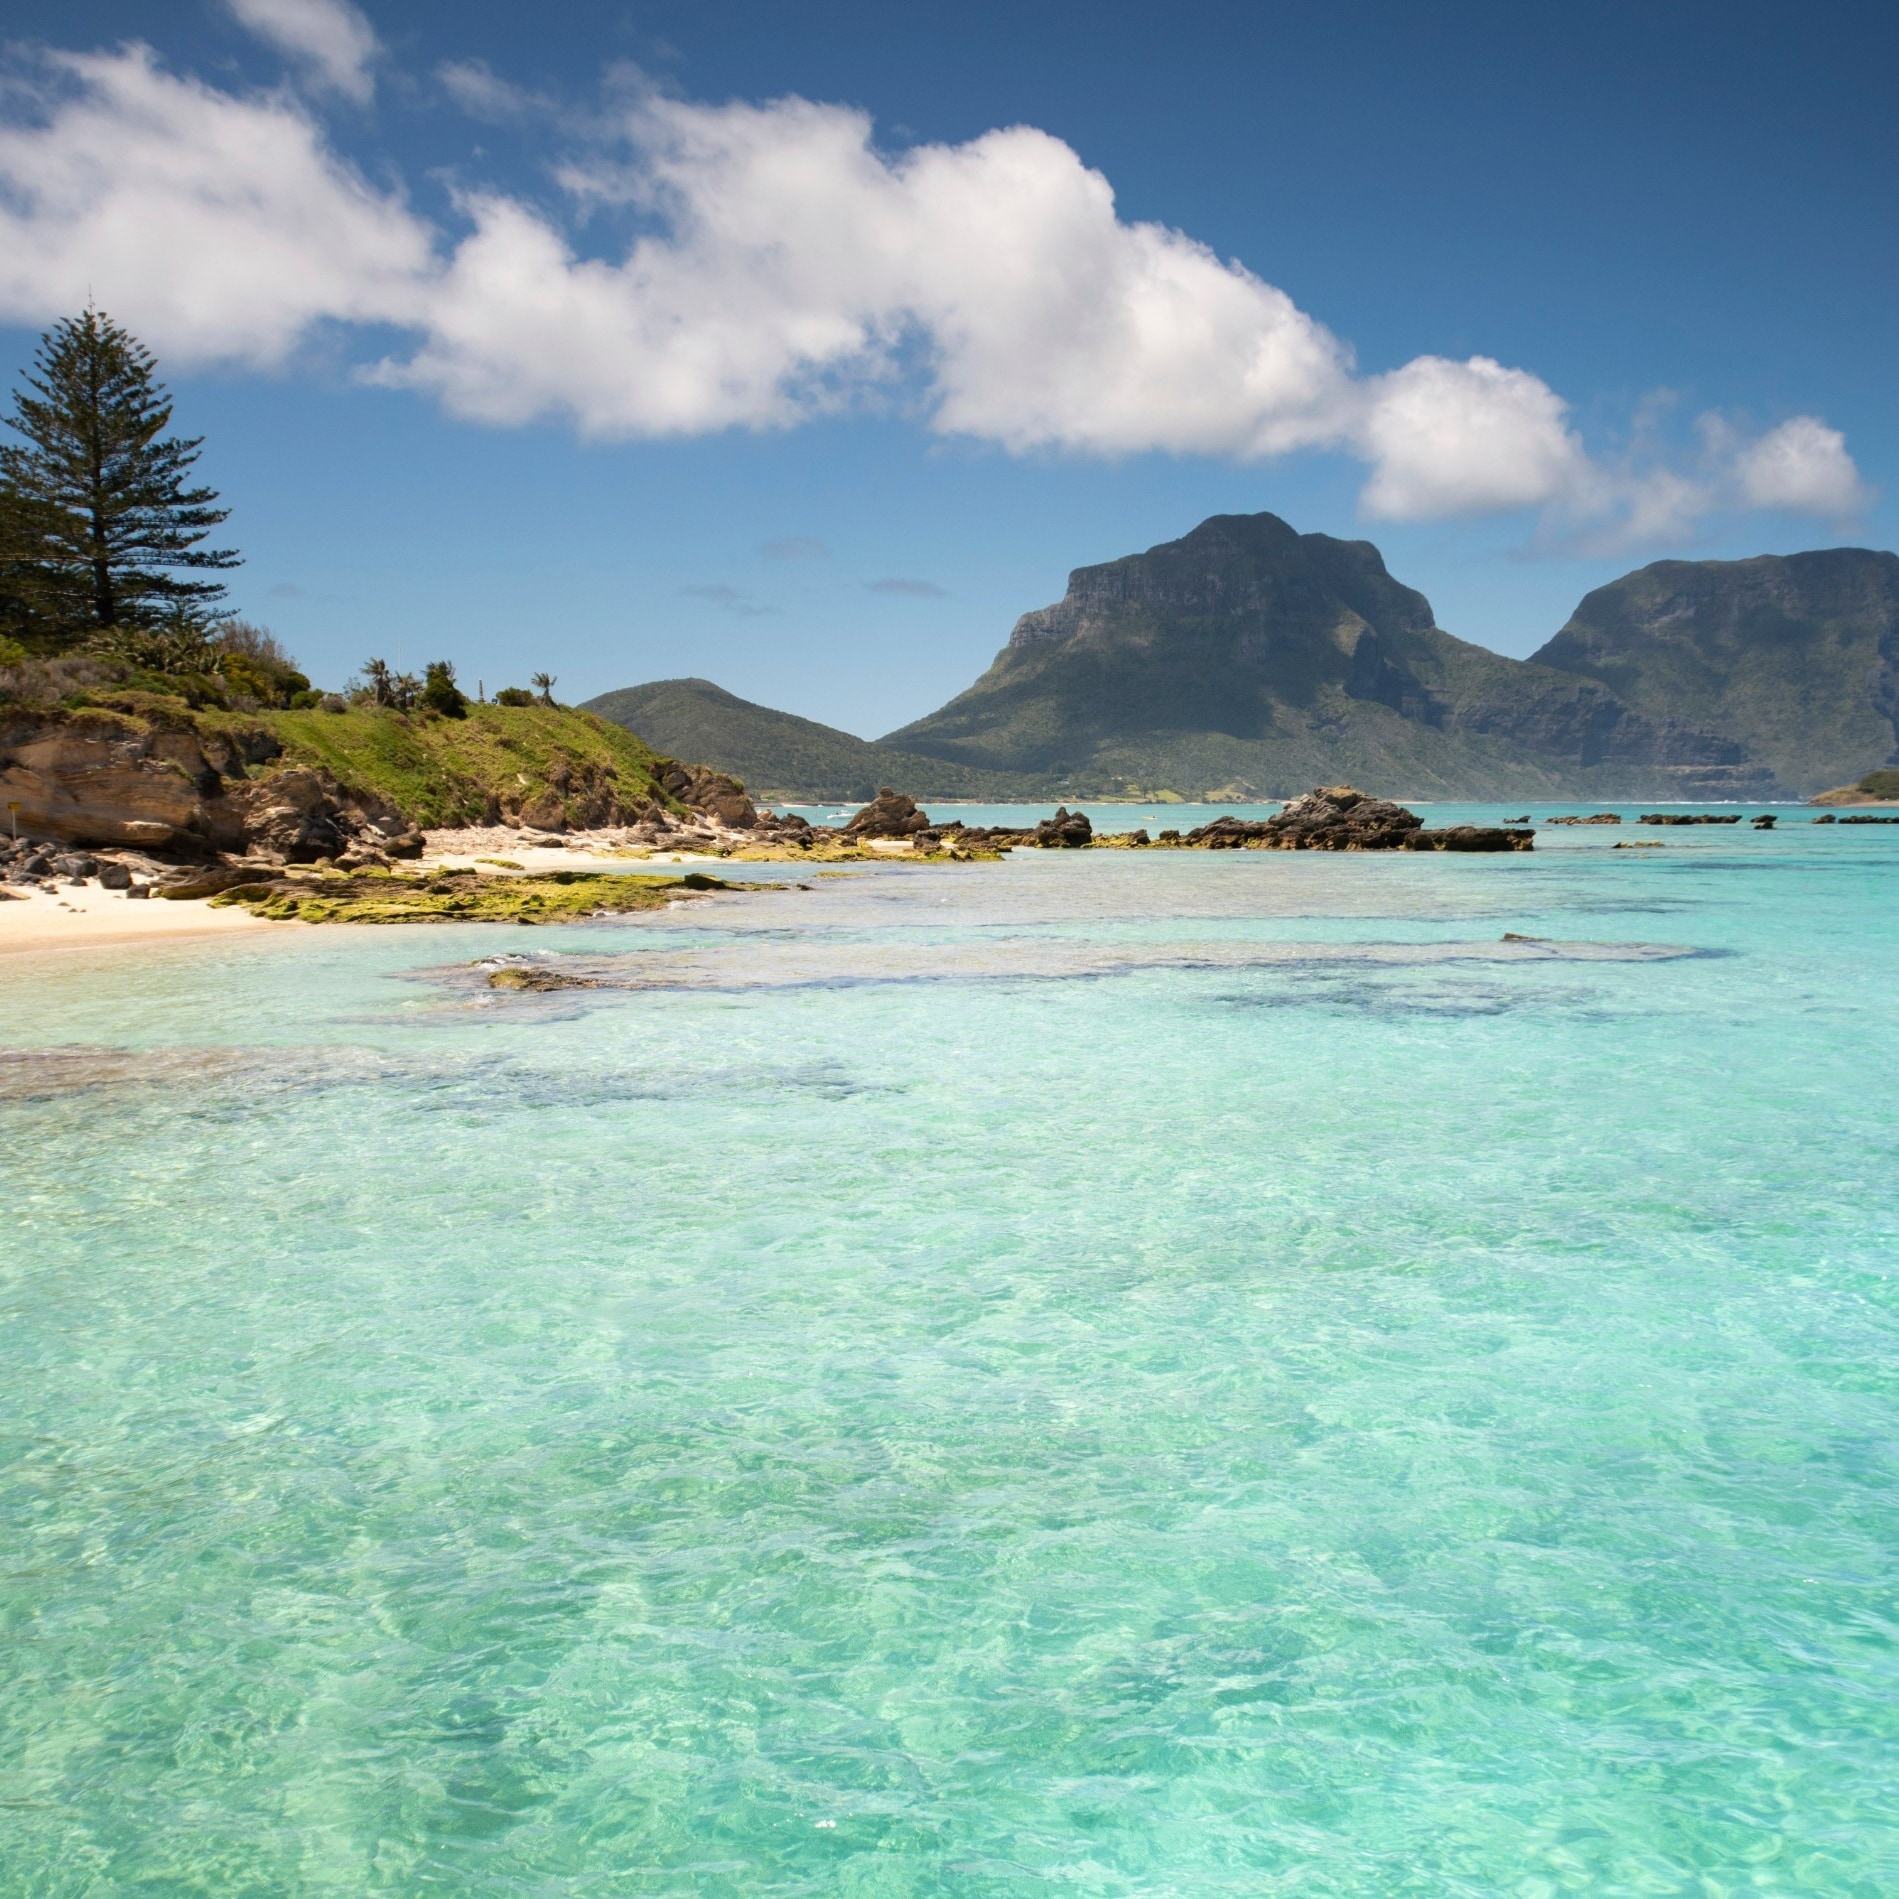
(329, 38)
(1466, 438)
(1803, 466)
(221, 228)
(783, 267)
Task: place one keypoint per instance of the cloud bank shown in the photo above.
(785, 268)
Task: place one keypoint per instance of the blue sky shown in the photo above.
(1526, 299)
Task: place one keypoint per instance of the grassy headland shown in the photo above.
(550, 765)
(1877, 787)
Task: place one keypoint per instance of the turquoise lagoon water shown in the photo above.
(1105, 1374)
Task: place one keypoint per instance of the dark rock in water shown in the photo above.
(1686, 817)
(1600, 817)
(1828, 819)
(1338, 818)
(889, 814)
(1065, 831)
(1138, 837)
(1859, 820)
(1231, 834)
(1168, 837)
(1329, 818)
(1765, 822)
(1471, 837)
(536, 981)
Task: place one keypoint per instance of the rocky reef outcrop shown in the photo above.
(1065, 831)
(1339, 818)
(889, 814)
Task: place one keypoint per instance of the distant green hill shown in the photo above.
(1248, 655)
(1792, 657)
(779, 755)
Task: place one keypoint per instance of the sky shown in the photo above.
(805, 349)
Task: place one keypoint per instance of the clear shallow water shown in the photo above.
(1104, 1374)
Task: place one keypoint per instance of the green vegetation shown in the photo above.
(440, 692)
(546, 765)
(1877, 787)
(96, 522)
(462, 896)
(1782, 657)
(778, 755)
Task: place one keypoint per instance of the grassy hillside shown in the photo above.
(779, 755)
(539, 763)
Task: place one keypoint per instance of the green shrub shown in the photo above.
(440, 692)
(514, 696)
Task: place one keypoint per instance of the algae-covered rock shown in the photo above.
(534, 981)
(463, 896)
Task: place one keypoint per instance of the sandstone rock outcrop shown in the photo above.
(719, 796)
(99, 778)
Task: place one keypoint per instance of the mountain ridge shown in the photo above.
(1253, 658)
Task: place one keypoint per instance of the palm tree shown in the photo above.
(544, 684)
(380, 679)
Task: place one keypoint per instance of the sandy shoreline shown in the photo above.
(89, 917)
(93, 918)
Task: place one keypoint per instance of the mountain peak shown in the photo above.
(1235, 564)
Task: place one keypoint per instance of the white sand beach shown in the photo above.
(36, 919)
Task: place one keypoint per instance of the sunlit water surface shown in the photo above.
(1107, 1374)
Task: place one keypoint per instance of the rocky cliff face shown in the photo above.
(103, 778)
